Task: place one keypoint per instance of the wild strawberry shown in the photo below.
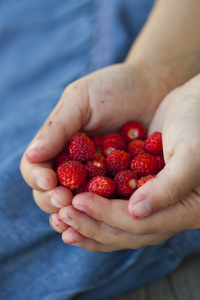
(98, 142)
(99, 156)
(113, 142)
(72, 174)
(95, 168)
(153, 144)
(63, 156)
(126, 183)
(135, 147)
(161, 162)
(81, 148)
(143, 180)
(82, 189)
(103, 186)
(144, 164)
(118, 160)
(133, 130)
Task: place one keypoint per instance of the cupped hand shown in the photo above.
(171, 200)
(178, 119)
(98, 103)
(99, 224)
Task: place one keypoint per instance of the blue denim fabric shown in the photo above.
(45, 45)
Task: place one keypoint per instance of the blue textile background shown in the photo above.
(45, 45)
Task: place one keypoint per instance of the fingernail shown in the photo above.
(70, 222)
(80, 207)
(142, 209)
(55, 203)
(58, 225)
(70, 239)
(41, 185)
(66, 217)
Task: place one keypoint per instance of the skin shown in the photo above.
(143, 89)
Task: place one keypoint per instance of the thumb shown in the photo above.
(176, 180)
(64, 121)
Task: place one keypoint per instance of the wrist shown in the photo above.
(171, 49)
(155, 83)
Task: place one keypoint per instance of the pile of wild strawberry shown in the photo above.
(113, 166)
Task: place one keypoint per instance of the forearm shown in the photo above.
(169, 43)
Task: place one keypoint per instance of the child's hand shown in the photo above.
(99, 224)
(178, 119)
(100, 102)
(106, 225)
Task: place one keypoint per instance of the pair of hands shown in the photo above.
(101, 103)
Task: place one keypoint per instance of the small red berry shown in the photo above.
(144, 164)
(153, 144)
(98, 141)
(103, 186)
(133, 130)
(161, 162)
(72, 174)
(99, 156)
(143, 180)
(126, 183)
(118, 160)
(81, 148)
(95, 168)
(135, 147)
(82, 189)
(63, 156)
(113, 142)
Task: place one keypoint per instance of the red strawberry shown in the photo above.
(63, 156)
(133, 130)
(82, 189)
(72, 174)
(161, 162)
(135, 147)
(126, 183)
(98, 142)
(144, 164)
(153, 144)
(95, 168)
(118, 160)
(81, 148)
(143, 180)
(99, 156)
(113, 142)
(103, 186)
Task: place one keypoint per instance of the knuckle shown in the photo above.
(169, 198)
(91, 234)
(141, 228)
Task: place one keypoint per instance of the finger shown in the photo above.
(40, 177)
(57, 224)
(87, 226)
(181, 216)
(73, 237)
(106, 234)
(171, 185)
(51, 201)
(64, 121)
(111, 212)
